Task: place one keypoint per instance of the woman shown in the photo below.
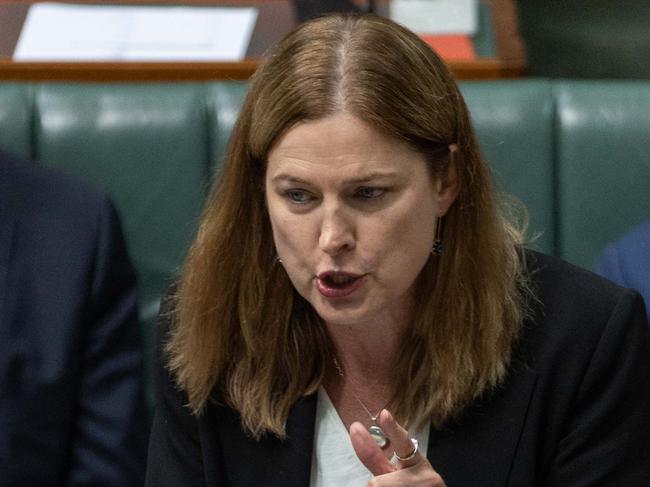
(355, 310)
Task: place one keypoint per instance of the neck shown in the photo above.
(365, 354)
(366, 351)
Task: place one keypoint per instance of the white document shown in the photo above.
(436, 16)
(60, 32)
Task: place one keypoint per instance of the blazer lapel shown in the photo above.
(270, 462)
(481, 447)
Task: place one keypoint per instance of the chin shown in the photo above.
(343, 315)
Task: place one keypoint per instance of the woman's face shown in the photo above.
(353, 215)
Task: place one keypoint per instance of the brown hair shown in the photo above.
(243, 336)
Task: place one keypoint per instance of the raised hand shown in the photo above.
(414, 470)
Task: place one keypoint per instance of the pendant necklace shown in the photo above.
(375, 430)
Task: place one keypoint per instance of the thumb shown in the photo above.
(368, 451)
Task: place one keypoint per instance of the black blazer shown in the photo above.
(71, 404)
(574, 410)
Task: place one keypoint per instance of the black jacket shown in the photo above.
(574, 411)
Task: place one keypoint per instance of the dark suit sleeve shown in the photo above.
(607, 435)
(175, 457)
(109, 444)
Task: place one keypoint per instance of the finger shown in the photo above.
(369, 451)
(421, 474)
(399, 438)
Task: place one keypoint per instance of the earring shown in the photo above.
(436, 250)
(278, 259)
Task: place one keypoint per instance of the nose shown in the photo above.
(336, 233)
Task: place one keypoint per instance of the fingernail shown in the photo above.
(389, 417)
(356, 426)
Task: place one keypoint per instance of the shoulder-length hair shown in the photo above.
(243, 336)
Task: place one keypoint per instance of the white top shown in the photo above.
(334, 462)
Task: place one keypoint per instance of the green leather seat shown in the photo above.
(15, 118)
(514, 125)
(146, 145)
(224, 101)
(603, 163)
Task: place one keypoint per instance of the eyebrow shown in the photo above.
(373, 176)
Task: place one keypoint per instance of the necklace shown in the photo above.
(375, 430)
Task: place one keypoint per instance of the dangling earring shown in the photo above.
(436, 250)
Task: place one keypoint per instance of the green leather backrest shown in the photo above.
(15, 118)
(603, 161)
(554, 145)
(514, 124)
(224, 100)
(146, 145)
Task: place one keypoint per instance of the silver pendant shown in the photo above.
(378, 435)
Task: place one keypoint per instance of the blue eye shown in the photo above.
(369, 193)
(297, 196)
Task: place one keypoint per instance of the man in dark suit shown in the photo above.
(71, 407)
(627, 262)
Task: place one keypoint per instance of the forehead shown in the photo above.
(341, 146)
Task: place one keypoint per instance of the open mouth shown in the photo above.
(337, 284)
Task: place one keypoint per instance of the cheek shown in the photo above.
(281, 233)
(405, 244)
(280, 225)
(291, 238)
(293, 248)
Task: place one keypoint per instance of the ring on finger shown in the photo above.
(411, 455)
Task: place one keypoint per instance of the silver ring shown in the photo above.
(411, 455)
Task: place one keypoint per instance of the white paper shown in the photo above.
(60, 32)
(436, 16)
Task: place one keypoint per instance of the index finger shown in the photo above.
(400, 439)
(369, 451)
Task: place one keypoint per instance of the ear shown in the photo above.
(448, 185)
